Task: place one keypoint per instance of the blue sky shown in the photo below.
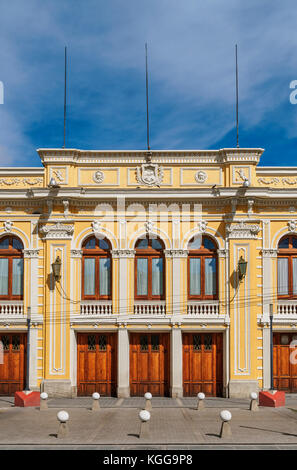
(191, 75)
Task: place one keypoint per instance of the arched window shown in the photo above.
(287, 268)
(11, 268)
(96, 268)
(149, 269)
(202, 269)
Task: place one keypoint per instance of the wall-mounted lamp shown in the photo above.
(242, 264)
(57, 268)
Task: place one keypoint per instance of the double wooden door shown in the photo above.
(97, 364)
(149, 364)
(12, 363)
(202, 364)
(285, 362)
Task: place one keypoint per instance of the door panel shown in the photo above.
(97, 364)
(284, 369)
(203, 363)
(149, 364)
(13, 369)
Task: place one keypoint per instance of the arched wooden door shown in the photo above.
(97, 364)
(285, 362)
(149, 364)
(13, 348)
(202, 364)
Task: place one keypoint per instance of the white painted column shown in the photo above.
(32, 254)
(268, 257)
(123, 389)
(123, 291)
(178, 294)
(176, 360)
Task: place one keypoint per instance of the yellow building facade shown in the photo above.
(169, 266)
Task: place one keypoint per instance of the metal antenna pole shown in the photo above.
(65, 90)
(147, 107)
(237, 141)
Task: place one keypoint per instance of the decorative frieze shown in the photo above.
(277, 180)
(76, 253)
(57, 231)
(123, 253)
(176, 253)
(20, 181)
(269, 253)
(29, 253)
(243, 230)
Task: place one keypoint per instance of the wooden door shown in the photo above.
(203, 364)
(149, 364)
(12, 363)
(97, 364)
(285, 362)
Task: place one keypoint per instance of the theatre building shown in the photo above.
(135, 271)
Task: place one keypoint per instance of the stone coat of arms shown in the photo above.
(150, 174)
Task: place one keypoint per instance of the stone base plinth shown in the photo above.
(273, 398)
(27, 399)
(242, 388)
(58, 388)
(123, 392)
(176, 392)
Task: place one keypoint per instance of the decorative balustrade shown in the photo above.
(152, 309)
(11, 308)
(96, 308)
(204, 309)
(287, 308)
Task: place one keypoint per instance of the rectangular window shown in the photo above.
(294, 270)
(142, 264)
(195, 269)
(157, 276)
(89, 276)
(210, 276)
(17, 276)
(104, 276)
(3, 276)
(282, 276)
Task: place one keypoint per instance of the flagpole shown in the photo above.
(237, 138)
(65, 90)
(147, 101)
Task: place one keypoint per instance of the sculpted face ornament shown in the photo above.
(201, 176)
(150, 174)
(98, 176)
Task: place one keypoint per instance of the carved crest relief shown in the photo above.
(150, 174)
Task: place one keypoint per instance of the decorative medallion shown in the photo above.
(98, 176)
(150, 174)
(202, 226)
(292, 225)
(201, 176)
(8, 225)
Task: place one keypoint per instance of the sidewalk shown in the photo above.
(174, 424)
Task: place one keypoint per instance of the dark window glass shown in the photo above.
(102, 343)
(142, 243)
(4, 244)
(197, 342)
(284, 243)
(91, 243)
(91, 343)
(17, 244)
(5, 342)
(155, 342)
(208, 244)
(103, 245)
(294, 242)
(143, 343)
(207, 342)
(16, 343)
(156, 244)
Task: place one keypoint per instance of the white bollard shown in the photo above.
(254, 403)
(43, 401)
(144, 417)
(63, 430)
(148, 404)
(96, 405)
(225, 416)
(200, 403)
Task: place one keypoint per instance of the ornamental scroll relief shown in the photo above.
(18, 181)
(276, 180)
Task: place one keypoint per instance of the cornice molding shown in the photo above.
(242, 230)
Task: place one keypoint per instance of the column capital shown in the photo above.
(76, 253)
(28, 253)
(269, 253)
